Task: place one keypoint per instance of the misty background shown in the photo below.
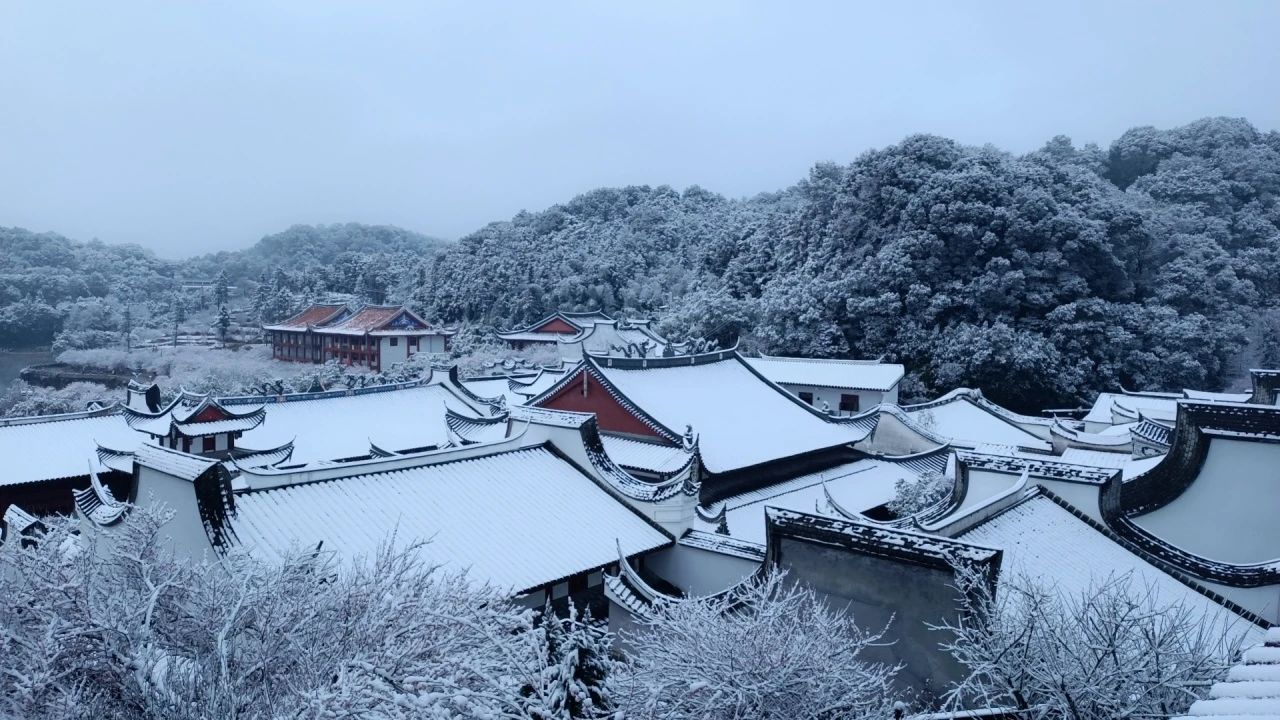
(193, 128)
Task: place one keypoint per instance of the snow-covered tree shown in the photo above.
(1113, 651)
(223, 323)
(96, 627)
(772, 650)
(221, 287)
(911, 494)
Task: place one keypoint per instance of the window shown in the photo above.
(413, 342)
(210, 444)
(395, 341)
(848, 403)
(806, 396)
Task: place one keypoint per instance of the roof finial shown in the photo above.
(688, 437)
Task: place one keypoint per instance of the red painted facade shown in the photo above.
(209, 414)
(556, 325)
(610, 414)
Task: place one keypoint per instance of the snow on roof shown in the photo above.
(1151, 405)
(1047, 543)
(605, 336)
(741, 420)
(647, 456)
(577, 320)
(342, 427)
(518, 519)
(530, 336)
(316, 315)
(847, 374)
(855, 487)
(172, 462)
(498, 386)
(1231, 511)
(1096, 458)
(382, 320)
(1251, 688)
(957, 417)
(1242, 397)
(60, 448)
(525, 388)
(723, 544)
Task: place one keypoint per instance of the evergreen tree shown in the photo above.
(223, 324)
(221, 288)
(126, 327)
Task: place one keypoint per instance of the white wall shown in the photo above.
(392, 355)
(698, 572)
(866, 398)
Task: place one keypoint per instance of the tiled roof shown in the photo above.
(839, 491)
(316, 315)
(958, 417)
(1251, 689)
(172, 462)
(342, 427)
(1048, 543)
(58, 449)
(517, 519)
(639, 455)
(740, 419)
(848, 374)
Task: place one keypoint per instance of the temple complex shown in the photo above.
(626, 479)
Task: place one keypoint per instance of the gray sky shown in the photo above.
(189, 127)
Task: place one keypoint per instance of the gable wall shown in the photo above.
(610, 414)
(556, 325)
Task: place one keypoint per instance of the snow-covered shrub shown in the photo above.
(22, 399)
(911, 494)
(124, 629)
(1114, 651)
(84, 339)
(779, 653)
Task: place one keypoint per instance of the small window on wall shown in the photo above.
(210, 444)
(806, 396)
(848, 403)
(395, 342)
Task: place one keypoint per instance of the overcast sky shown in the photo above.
(189, 127)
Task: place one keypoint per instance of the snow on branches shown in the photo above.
(771, 650)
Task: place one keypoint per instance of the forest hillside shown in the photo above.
(1040, 278)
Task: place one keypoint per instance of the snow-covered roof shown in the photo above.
(517, 519)
(172, 462)
(577, 321)
(645, 456)
(958, 417)
(332, 428)
(382, 320)
(1162, 405)
(605, 337)
(314, 316)
(1046, 542)
(845, 374)
(850, 488)
(60, 447)
(741, 419)
(1241, 397)
(1251, 688)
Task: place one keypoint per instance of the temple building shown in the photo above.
(750, 432)
(847, 387)
(373, 336)
(550, 330)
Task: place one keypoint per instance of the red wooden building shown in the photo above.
(373, 336)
